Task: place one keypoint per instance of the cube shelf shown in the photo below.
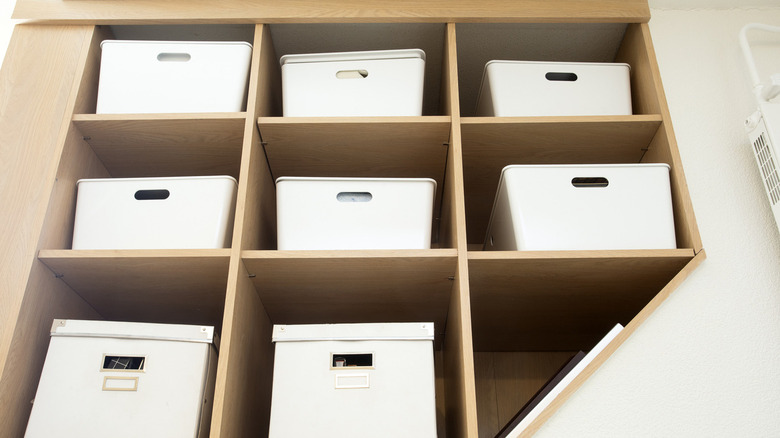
(505, 321)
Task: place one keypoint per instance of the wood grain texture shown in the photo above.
(268, 11)
(490, 143)
(664, 149)
(165, 145)
(299, 287)
(86, 98)
(173, 286)
(507, 380)
(242, 397)
(269, 82)
(395, 147)
(562, 300)
(610, 349)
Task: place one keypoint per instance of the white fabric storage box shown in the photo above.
(353, 381)
(582, 207)
(354, 213)
(172, 76)
(376, 83)
(154, 213)
(125, 379)
(530, 88)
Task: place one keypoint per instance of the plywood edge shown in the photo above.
(632, 326)
(348, 254)
(558, 120)
(86, 254)
(580, 255)
(269, 11)
(146, 118)
(368, 121)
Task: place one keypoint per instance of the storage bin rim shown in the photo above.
(372, 55)
(155, 179)
(402, 331)
(160, 42)
(133, 330)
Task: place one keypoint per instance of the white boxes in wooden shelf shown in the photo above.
(533, 305)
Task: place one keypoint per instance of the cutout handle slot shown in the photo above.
(128, 363)
(145, 195)
(598, 181)
(354, 197)
(173, 57)
(352, 74)
(351, 360)
(561, 76)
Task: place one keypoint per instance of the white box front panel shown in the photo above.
(381, 83)
(568, 207)
(172, 77)
(394, 397)
(524, 88)
(77, 399)
(354, 213)
(154, 213)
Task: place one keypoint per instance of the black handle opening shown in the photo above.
(561, 76)
(589, 181)
(144, 195)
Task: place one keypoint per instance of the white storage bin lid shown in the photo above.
(558, 63)
(354, 332)
(584, 167)
(133, 330)
(167, 178)
(352, 56)
(211, 43)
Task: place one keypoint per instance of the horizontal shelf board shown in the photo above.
(491, 143)
(397, 147)
(299, 287)
(132, 145)
(173, 286)
(562, 300)
(269, 11)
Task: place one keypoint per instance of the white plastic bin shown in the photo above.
(353, 381)
(154, 213)
(172, 76)
(375, 83)
(354, 213)
(132, 379)
(530, 88)
(582, 207)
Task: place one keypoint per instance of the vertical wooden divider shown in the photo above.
(461, 409)
(242, 396)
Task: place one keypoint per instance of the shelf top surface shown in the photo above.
(268, 11)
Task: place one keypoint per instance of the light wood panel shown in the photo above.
(166, 144)
(299, 287)
(562, 300)
(490, 143)
(175, 286)
(268, 11)
(507, 380)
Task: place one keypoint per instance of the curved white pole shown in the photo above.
(751, 62)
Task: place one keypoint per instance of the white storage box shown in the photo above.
(582, 207)
(353, 381)
(172, 76)
(377, 83)
(354, 213)
(129, 379)
(154, 213)
(527, 88)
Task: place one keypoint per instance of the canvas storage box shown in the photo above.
(172, 76)
(354, 213)
(582, 207)
(128, 379)
(376, 83)
(353, 381)
(530, 88)
(154, 213)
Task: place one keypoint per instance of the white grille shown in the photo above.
(766, 162)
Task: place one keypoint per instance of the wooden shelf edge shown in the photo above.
(149, 117)
(353, 120)
(47, 254)
(349, 254)
(586, 254)
(557, 120)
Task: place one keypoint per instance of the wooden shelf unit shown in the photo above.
(504, 320)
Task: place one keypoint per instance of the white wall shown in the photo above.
(707, 362)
